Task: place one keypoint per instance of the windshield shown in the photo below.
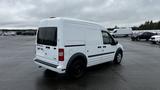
(47, 36)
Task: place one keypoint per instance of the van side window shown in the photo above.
(107, 39)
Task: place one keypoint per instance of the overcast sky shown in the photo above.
(27, 13)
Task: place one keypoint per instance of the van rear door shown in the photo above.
(47, 43)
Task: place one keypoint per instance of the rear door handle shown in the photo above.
(99, 47)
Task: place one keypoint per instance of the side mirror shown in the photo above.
(114, 43)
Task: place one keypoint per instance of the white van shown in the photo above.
(69, 46)
(121, 32)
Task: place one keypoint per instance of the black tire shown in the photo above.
(118, 57)
(76, 69)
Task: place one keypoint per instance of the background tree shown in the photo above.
(148, 25)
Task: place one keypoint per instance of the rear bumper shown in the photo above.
(49, 66)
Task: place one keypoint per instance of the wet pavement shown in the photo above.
(140, 69)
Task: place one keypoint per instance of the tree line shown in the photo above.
(148, 25)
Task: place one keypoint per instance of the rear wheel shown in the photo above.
(76, 69)
(118, 57)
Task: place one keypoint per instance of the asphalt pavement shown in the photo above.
(140, 69)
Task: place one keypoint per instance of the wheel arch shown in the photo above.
(75, 56)
(120, 50)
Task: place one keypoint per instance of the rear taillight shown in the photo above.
(61, 54)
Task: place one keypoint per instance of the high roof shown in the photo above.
(71, 19)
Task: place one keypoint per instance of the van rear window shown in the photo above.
(47, 36)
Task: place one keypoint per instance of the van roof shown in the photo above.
(64, 19)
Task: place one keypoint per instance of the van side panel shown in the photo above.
(82, 38)
(74, 40)
(93, 44)
(73, 34)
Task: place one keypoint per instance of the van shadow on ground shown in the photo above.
(96, 77)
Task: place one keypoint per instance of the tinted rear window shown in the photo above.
(47, 36)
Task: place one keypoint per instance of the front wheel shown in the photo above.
(118, 57)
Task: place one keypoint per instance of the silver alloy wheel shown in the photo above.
(119, 57)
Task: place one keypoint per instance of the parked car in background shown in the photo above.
(155, 39)
(144, 35)
(124, 31)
